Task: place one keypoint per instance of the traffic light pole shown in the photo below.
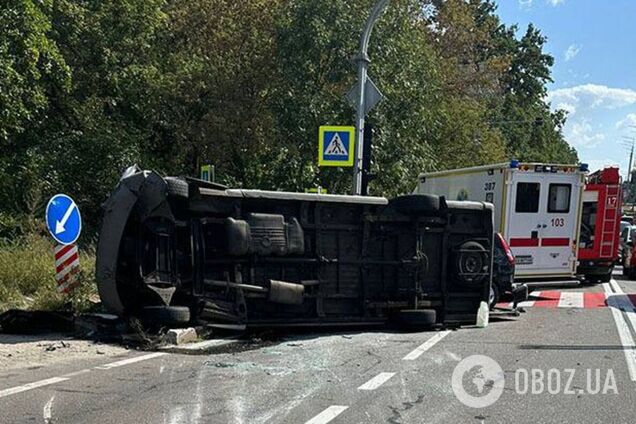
(363, 64)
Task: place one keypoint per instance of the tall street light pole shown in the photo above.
(361, 107)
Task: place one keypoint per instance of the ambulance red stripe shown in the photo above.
(524, 242)
(555, 242)
(545, 242)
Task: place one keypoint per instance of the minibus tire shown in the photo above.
(165, 315)
(416, 203)
(462, 257)
(177, 187)
(412, 318)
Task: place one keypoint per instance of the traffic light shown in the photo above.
(367, 176)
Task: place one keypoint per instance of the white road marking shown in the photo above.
(377, 381)
(130, 361)
(46, 411)
(73, 374)
(417, 352)
(65, 377)
(624, 303)
(328, 414)
(530, 303)
(616, 303)
(571, 300)
(30, 386)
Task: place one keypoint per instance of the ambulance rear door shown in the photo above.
(542, 223)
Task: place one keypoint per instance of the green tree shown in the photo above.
(316, 71)
(31, 65)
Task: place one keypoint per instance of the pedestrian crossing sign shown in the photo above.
(336, 146)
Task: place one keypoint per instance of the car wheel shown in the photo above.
(165, 315)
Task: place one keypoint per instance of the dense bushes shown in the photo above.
(27, 277)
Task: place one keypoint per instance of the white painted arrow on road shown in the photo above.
(59, 225)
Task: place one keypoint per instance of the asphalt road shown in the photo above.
(570, 338)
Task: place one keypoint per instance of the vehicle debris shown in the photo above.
(179, 336)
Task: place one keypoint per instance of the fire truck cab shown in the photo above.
(600, 225)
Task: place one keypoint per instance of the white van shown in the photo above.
(537, 209)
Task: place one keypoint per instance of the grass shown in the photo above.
(27, 277)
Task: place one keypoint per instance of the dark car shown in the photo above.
(629, 252)
(175, 249)
(624, 238)
(503, 272)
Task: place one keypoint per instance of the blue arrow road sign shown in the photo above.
(63, 219)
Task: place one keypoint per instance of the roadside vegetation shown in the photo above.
(89, 87)
(27, 277)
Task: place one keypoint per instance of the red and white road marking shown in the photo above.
(66, 267)
(565, 299)
(571, 300)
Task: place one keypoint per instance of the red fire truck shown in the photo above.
(600, 225)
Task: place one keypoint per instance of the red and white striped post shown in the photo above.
(66, 267)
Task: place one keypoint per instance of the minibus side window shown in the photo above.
(559, 198)
(527, 197)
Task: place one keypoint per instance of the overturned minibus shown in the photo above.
(175, 250)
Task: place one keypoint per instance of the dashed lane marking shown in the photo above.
(30, 386)
(377, 381)
(66, 377)
(73, 374)
(328, 414)
(418, 351)
(130, 361)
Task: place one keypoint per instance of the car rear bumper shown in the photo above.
(596, 267)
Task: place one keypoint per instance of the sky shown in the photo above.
(593, 43)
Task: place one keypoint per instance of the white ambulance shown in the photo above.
(537, 210)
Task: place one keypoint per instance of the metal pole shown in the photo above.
(629, 169)
(363, 63)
